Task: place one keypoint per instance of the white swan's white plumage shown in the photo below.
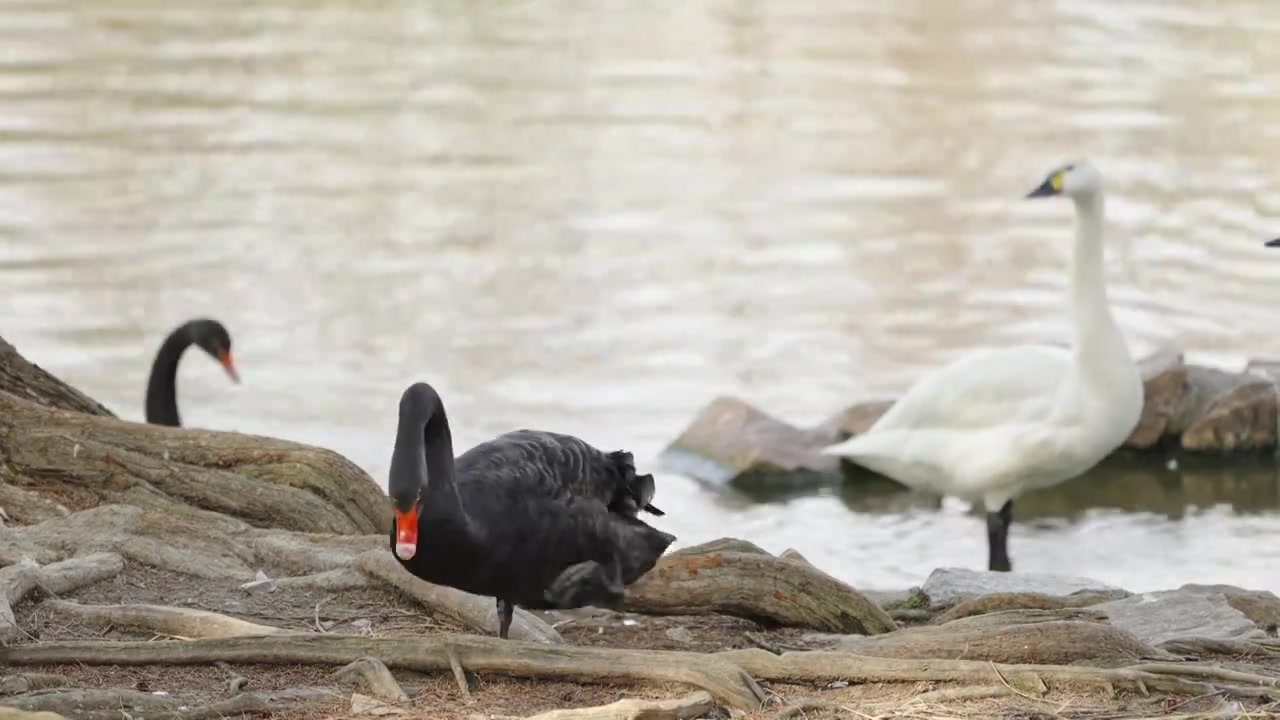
(996, 423)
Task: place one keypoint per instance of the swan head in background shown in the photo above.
(212, 337)
(1075, 180)
(1273, 243)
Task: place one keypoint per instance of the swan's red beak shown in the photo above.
(224, 357)
(407, 532)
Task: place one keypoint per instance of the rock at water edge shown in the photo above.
(732, 442)
(1158, 617)
(947, 586)
(1242, 419)
(1164, 379)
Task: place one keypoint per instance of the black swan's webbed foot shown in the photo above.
(998, 538)
(505, 612)
(587, 583)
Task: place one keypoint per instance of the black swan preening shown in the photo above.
(530, 518)
(162, 398)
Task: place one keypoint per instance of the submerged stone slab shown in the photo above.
(947, 586)
(1158, 617)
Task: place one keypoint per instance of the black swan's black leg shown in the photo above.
(998, 537)
(587, 583)
(505, 611)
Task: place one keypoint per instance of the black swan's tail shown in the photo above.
(634, 492)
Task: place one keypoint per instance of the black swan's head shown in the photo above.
(213, 338)
(419, 404)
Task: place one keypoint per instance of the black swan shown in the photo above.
(162, 399)
(530, 518)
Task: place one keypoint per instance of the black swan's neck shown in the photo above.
(424, 453)
(162, 394)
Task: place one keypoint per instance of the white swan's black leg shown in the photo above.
(586, 583)
(505, 611)
(998, 538)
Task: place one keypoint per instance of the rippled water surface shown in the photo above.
(594, 217)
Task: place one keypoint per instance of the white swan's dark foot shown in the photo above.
(586, 583)
(998, 538)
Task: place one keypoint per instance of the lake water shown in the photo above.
(594, 217)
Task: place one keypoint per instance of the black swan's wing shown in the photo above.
(560, 467)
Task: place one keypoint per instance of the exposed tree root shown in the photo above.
(340, 579)
(1053, 642)
(471, 611)
(25, 507)
(691, 706)
(1199, 647)
(1032, 679)
(460, 676)
(184, 623)
(30, 682)
(17, 581)
(945, 695)
(8, 713)
(725, 681)
(756, 587)
(30, 382)
(193, 542)
(264, 481)
(373, 677)
(116, 704)
(721, 545)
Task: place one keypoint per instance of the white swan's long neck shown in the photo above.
(1102, 357)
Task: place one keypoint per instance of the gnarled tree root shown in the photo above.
(693, 705)
(17, 581)
(371, 675)
(116, 704)
(725, 681)
(1032, 679)
(264, 481)
(755, 586)
(183, 623)
(1013, 636)
(470, 611)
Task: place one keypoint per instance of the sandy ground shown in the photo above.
(381, 612)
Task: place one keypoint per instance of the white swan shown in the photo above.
(997, 423)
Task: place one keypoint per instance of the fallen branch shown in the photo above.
(813, 667)
(756, 587)
(473, 612)
(691, 706)
(372, 676)
(18, 581)
(725, 681)
(115, 704)
(185, 623)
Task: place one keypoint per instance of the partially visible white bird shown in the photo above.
(996, 423)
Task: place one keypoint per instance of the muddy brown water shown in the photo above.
(593, 217)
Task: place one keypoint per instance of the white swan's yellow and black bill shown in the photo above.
(1051, 186)
(1273, 243)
